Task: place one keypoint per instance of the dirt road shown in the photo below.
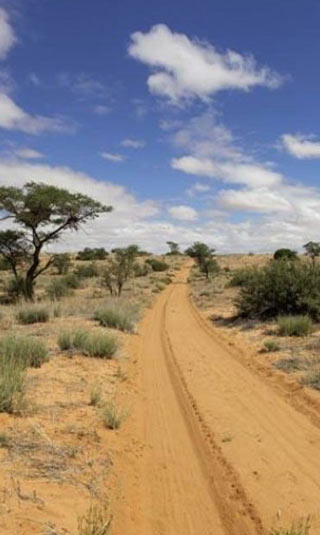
(215, 449)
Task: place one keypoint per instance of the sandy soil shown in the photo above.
(215, 447)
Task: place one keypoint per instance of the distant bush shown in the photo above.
(157, 265)
(281, 288)
(120, 316)
(4, 264)
(271, 346)
(62, 263)
(57, 289)
(33, 314)
(285, 254)
(100, 345)
(14, 288)
(141, 270)
(72, 280)
(92, 254)
(295, 325)
(87, 271)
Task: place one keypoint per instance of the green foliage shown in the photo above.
(312, 379)
(141, 270)
(112, 415)
(241, 276)
(12, 382)
(100, 345)
(72, 280)
(14, 289)
(33, 314)
(203, 255)
(285, 254)
(174, 248)
(87, 271)
(157, 265)
(4, 264)
(271, 346)
(57, 289)
(281, 288)
(62, 263)
(24, 350)
(122, 316)
(295, 325)
(312, 250)
(92, 254)
(119, 269)
(42, 213)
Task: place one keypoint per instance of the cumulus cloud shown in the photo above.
(198, 187)
(182, 212)
(7, 35)
(12, 117)
(302, 147)
(189, 68)
(133, 143)
(112, 157)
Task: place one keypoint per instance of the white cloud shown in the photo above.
(300, 146)
(83, 85)
(112, 157)
(12, 117)
(133, 143)
(7, 35)
(100, 109)
(183, 213)
(28, 154)
(189, 68)
(198, 187)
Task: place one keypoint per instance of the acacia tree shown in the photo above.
(41, 213)
(312, 249)
(174, 248)
(120, 268)
(204, 256)
(285, 254)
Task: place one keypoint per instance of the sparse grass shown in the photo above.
(32, 314)
(4, 440)
(312, 379)
(301, 527)
(271, 346)
(72, 280)
(291, 364)
(112, 415)
(120, 374)
(100, 345)
(97, 521)
(122, 316)
(12, 381)
(95, 395)
(295, 325)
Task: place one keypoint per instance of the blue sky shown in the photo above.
(197, 121)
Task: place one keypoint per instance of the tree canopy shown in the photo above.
(40, 213)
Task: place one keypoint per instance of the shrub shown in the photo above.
(58, 289)
(97, 521)
(62, 263)
(14, 288)
(241, 276)
(281, 288)
(157, 265)
(100, 345)
(12, 383)
(72, 280)
(24, 349)
(33, 314)
(141, 270)
(312, 379)
(87, 271)
(92, 254)
(4, 264)
(118, 316)
(270, 346)
(286, 254)
(112, 415)
(295, 325)
(95, 395)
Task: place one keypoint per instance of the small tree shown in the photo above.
(120, 268)
(43, 213)
(62, 263)
(285, 254)
(203, 255)
(312, 249)
(174, 248)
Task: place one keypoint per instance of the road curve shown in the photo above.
(217, 452)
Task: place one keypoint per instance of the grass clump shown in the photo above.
(33, 314)
(302, 527)
(281, 288)
(72, 280)
(25, 350)
(4, 440)
(57, 289)
(97, 521)
(95, 395)
(295, 325)
(112, 415)
(312, 379)
(119, 316)
(240, 277)
(271, 346)
(99, 345)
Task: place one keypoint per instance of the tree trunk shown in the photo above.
(31, 275)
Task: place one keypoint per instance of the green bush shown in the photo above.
(100, 345)
(281, 288)
(271, 346)
(112, 415)
(62, 263)
(57, 289)
(12, 383)
(72, 280)
(157, 265)
(87, 271)
(4, 264)
(25, 350)
(92, 254)
(33, 314)
(14, 288)
(141, 270)
(120, 316)
(241, 276)
(295, 325)
(286, 254)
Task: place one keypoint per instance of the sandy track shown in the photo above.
(219, 451)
